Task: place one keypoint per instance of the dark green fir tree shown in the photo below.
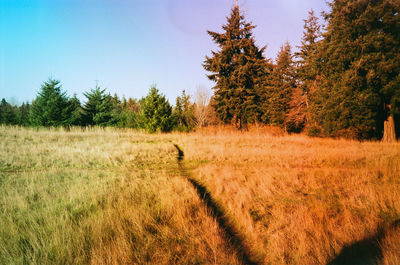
(7, 113)
(277, 94)
(360, 69)
(238, 68)
(51, 106)
(98, 108)
(306, 66)
(22, 114)
(156, 112)
(76, 111)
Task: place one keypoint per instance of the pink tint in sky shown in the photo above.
(128, 45)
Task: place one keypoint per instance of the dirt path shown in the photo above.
(231, 233)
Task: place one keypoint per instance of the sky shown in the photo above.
(126, 46)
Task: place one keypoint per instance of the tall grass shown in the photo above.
(99, 196)
(108, 196)
(302, 200)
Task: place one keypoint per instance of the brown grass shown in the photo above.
(301, 200)
(108, 196)
(391, 246)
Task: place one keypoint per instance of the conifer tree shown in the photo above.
(75, 117)
(307, 74)
(22, 114)
(277, 96)
(238, 68)
(7, 113)
(129, 116)
(307, 68)
(360, 68)
(98, 108)
(184, 113)
(156, 112)
(51, 107)
(116, 113)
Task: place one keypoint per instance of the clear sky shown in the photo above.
(128, 45)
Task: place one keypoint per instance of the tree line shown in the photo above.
(344, 80)
(53, 108)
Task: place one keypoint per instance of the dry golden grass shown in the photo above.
(301, 200)
(391, 247)
(108, 196)
(100, 197)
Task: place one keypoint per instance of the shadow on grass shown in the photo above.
(364, 252)
(233, 236)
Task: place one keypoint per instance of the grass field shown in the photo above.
(108, 196)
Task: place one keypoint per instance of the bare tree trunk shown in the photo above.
(244, 126)
(389, 132)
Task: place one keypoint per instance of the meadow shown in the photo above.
(118, 196)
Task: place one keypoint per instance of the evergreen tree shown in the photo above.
(277, 96)
(76, 111)
(116, 112)
(307, 68)
(156, 112)
(129, 116)
(307, 74)
(7, 113)
(51, 106)
(98, 108)
(22, 115)
(239, 69)
(184, 113)
(360, 68)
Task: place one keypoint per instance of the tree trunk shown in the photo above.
(389, 132)
(242, 123)
(244, 126)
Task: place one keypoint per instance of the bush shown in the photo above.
(314, 131)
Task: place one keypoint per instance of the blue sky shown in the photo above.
(128, 45)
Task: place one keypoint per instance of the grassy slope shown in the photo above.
(100, 197)
(302, 200)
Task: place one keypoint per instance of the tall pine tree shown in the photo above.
(238, 68)
(277, 92)
(307, 69)
(307, 73)
(360, 68)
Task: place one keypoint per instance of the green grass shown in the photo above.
(101, 197)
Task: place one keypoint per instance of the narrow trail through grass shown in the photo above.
(227, 224)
